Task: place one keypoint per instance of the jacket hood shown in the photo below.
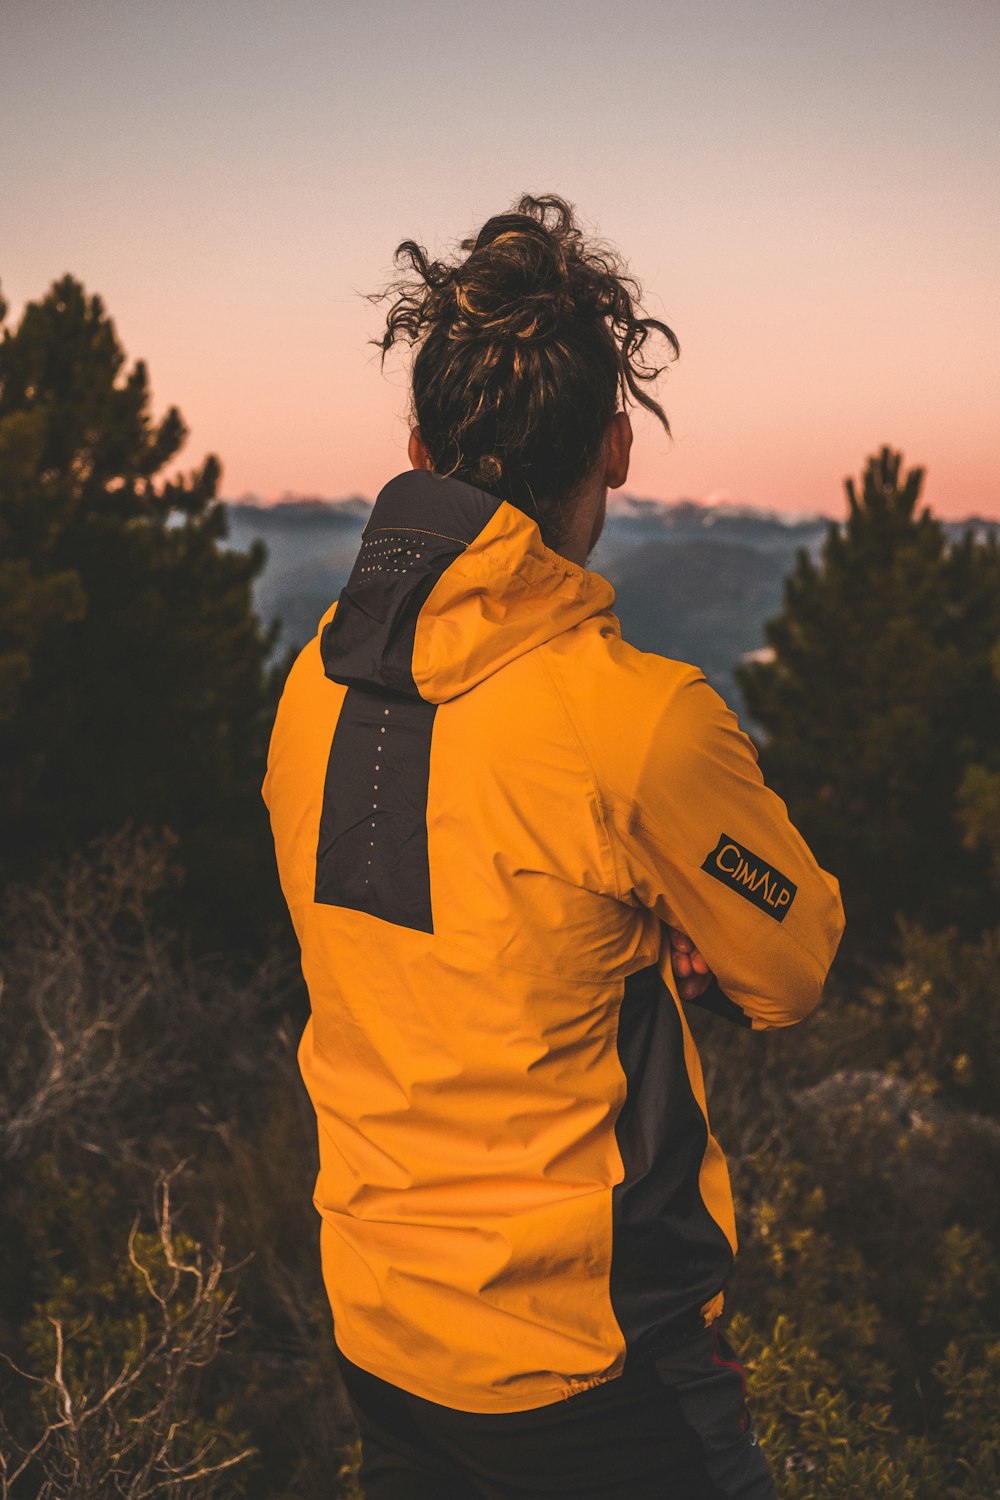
(449, 585)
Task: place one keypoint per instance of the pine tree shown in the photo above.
(879, 698)
(133, 676)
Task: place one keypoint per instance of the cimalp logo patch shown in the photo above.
(750, 876)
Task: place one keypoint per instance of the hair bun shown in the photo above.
(513, 286)
(498, 402)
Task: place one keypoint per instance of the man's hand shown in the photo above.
(690, 970)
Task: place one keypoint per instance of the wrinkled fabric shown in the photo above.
(486, 804)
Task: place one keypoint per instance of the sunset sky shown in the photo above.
(807, 191)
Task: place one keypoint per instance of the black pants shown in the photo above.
(674, 1426)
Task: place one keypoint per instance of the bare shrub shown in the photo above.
(105, 1027)
(129, 1428)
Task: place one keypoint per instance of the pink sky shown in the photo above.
(806, 193)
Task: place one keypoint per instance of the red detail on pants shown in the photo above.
(730, 1364)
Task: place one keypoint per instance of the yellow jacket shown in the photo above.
(485, 804)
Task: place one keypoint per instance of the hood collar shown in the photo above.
(449, 585)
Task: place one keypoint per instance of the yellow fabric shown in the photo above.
(467, 1081)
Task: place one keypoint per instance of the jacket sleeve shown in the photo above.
(707, 846)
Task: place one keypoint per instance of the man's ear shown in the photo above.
(619, 448)
(419, 457)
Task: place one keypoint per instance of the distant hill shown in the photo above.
(311, 549)
(692, 581)
(700, 601)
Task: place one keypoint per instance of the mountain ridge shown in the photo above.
(692, 582)
(625, 507)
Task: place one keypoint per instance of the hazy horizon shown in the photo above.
(616, 500)
(806, 195)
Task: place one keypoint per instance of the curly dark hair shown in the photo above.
(524, 346)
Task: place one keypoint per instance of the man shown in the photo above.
(512, 846)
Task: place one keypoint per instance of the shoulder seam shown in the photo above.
(599, 801)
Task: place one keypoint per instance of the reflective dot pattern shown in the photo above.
(379, 747)
(387, 552)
